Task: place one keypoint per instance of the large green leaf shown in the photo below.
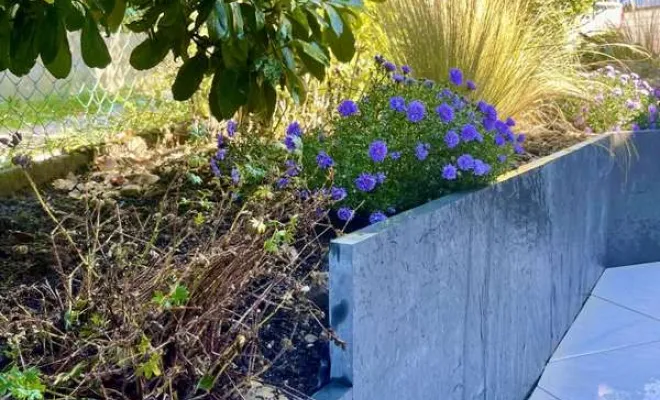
(296, 87)
(189, 77)
(49, 35)
(149, 53)
(4, 40)
(23, 46)
(218, 22)
(229, 91)
(94, 50)
(335, 20)
(74, 14)
(237, 20)
(203, 12)
(314, 67)
(313, 50)
(60, 66)
(116, 16)
(147, 21)
(343, 47)
(289, 58)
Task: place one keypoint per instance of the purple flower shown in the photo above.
(219, 140)
(449, 172)
(499, 140)
(501, 158)
(282, 183)
(395, 155)
(292, 168)
(377, 216)
(521, 138)
(366, 182)
(415, 111)
(214, 167)
(422, 151)
(389, 66)
(635, 128)
(518, 149)
(631, 104)
(471, 85)
(656, 92)
(489, 124)
(510, 122)
(458, 103)
(490, 112)
(347, 108)
(398, 78)
(235, 176)
(452, 139)
(406, 69)
(465, 162)
(469, 133)
(345, 214)
(397, 103)
(501, 127)
(221, 154)
(294, 129)
(380, 177)
(338, 193)
(231, 128)
(378, 151)
(480, 168)
(456, 76)
(445, 112)
(446, 93)
(653, 109)
(290, 143)
(324, 161)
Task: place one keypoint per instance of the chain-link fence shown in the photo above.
(90, 104)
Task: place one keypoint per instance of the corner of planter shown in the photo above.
(335, 390)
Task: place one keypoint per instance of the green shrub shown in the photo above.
(405, 142)
(615, 101)
(22, 385)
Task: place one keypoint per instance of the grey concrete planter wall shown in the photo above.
(467, 297)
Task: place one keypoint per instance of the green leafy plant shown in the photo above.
(177, 297)
(22, 385)
(250, 48)
(406, 142)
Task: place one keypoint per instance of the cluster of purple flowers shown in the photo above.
(221, 154)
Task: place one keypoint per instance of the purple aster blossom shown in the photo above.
(653, 109)
(501, 158)
(347, 108)
(480, 168)
(449, 172)
(456, 76)
(220, 140)
(378, 151)
(422, 151)
(501, 127)
(491, 112)
(510, 136)
(380, 177)
(452, 139)
(510, 122)
(290, 143)
(446, 93)
(631, 104)
(445, 112)
(469, 133)
(499, 140)
(398, 103)
(291, 168)
(459, 103)
(366, 182)
(214, 167)
(377, 216)
(521, 138)
(294, 129)
(471, 85)
(345, 214)
(221, 154)
(389, 66)
(406, 69)
(489, 124)
(395, 155)
(338, 193)
(656, 92)
(415, 111)
(482, 106)
(231, 128)
(465, 162)
(398, 78)
(323, 160)
(282, 183)
(235, 176)
(635, 127)
(518, 149)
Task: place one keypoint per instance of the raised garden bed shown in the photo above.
(468, 296)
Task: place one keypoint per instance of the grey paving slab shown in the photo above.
(603, 326)
(540, 394)
(631, 373)
(636, 287)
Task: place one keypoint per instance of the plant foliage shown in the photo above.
(250, 48)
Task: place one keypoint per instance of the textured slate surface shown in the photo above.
(635, 287)
(634, 228)
(467, 297)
